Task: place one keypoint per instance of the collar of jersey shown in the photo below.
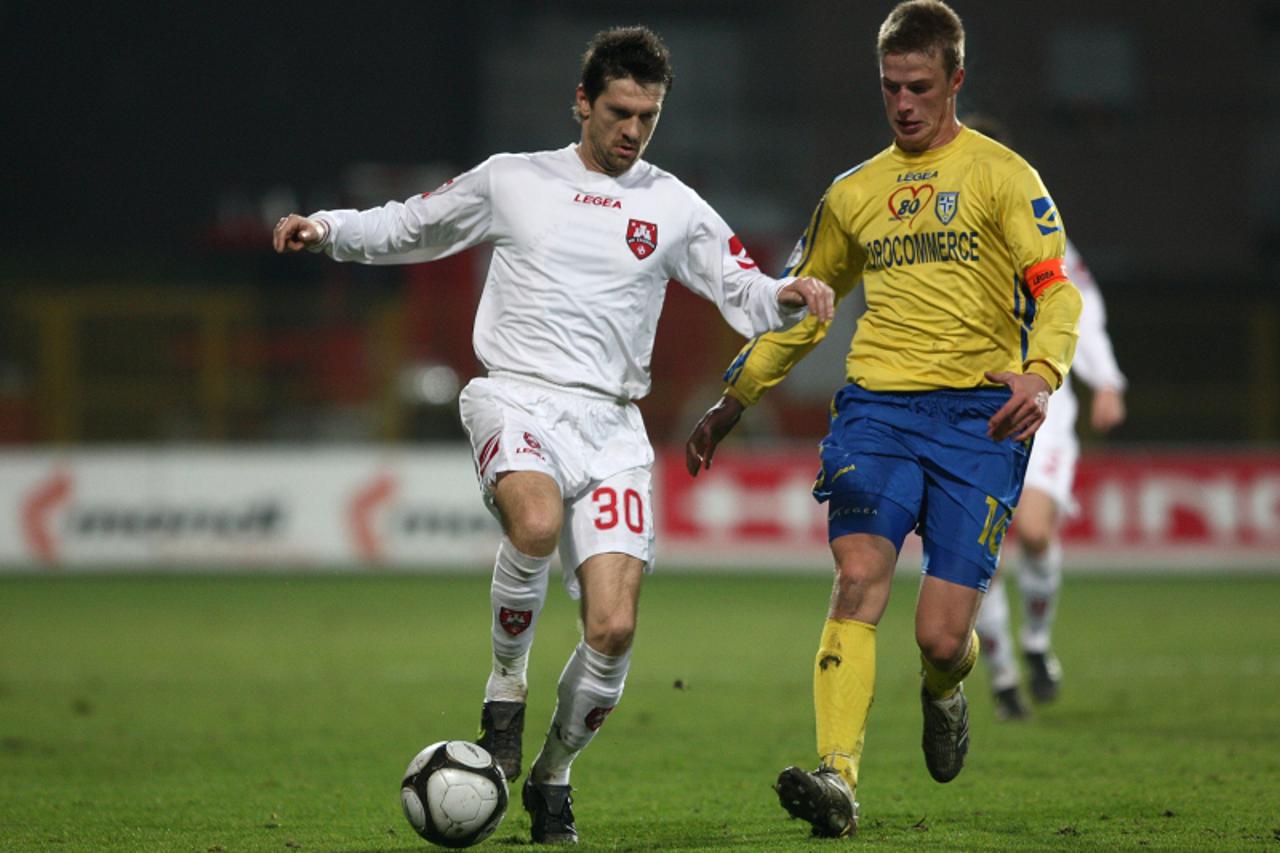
(933, 155)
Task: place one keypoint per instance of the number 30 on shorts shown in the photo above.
(609, 510)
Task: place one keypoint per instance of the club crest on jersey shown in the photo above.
(739, 253)
(642, 238)
(946, 207)
(905, 203)
(515, 622)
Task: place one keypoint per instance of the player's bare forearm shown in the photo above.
(1026, 408)
(811, 293)
(1108, 410)
(709, 432)
(293, 233)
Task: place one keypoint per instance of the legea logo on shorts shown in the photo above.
(853, 510)
(533, 446)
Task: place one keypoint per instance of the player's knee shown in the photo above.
(941, 648)
(857, 574)
(1035, 539)
(1035, 530)
(611, 636)
(534, 529)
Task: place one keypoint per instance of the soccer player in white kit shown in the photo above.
(585, 239)
(1046, 500)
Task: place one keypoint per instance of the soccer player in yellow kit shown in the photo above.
(970, 325)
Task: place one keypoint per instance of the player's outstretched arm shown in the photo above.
(1025, 411)
(709, 432)
(813, 294)
(293, 233)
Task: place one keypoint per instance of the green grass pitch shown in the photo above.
(234, 713)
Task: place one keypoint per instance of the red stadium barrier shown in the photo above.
(1150, 509)
(418, 508)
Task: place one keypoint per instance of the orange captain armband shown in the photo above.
(1043, 274)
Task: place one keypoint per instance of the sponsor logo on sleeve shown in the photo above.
(739, 253)
(1046, 215)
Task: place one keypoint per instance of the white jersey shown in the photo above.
(580, 264)
(1052, 465)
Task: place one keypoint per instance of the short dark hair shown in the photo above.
(622, 52)
(930, 27)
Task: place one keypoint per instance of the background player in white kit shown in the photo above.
(585, 239)
(1046, 500)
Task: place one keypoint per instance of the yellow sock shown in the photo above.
(942, 685)
(844, 678)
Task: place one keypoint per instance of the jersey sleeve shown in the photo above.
(425, 227)
(1034, 233)
(1095, 360)
(827, 252)
(717, 267)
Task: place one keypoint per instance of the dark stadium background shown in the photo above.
(243, 565)
(148, 146)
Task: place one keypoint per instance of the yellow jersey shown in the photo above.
(960, 250)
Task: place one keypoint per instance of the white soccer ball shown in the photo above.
(454, 794)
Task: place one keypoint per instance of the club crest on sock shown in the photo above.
(595, 719)
(514, 622)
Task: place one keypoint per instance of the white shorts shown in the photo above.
(595, 448)
(1052, 466)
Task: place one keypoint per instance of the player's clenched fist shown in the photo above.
(709, 432)
(812, 294)
(294, 233)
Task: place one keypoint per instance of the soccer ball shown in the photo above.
(454, 793)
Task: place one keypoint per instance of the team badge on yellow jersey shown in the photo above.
(946, 207)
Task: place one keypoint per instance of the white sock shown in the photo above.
(1038, 582)
(590, 687)
(517, 594)
(997, 639)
